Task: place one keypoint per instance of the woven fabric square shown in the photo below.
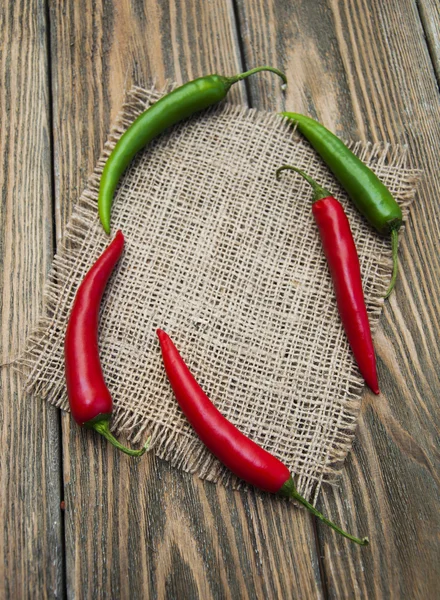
(228, 261)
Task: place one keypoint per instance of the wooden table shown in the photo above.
(369, 70)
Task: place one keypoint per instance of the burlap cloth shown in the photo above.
(228, 261)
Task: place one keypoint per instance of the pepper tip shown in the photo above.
(105, 222)
(120, 236)
(374, 385)
(161, 334)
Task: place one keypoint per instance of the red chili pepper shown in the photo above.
(343, 262)
(237, 452)
(89, 398)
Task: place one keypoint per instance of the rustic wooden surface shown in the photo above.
(139, 529)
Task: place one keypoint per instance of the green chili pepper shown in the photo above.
(179, 104)
(369, 194)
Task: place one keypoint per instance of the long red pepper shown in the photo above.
(89, 398)
(343, 262)
(236, 451)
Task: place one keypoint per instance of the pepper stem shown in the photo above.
(235, 78)
(362, 542)
(289, 491)
(319, 192)
(395, 246)
(103, 427)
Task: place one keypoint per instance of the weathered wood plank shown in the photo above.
(100, 50)
(430, 16)
(31, 545)
(137, 528)
(363, 68)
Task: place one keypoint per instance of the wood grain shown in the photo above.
(31, 544)
(139, 528)
(99, 50)
(429, 12)
(363, 68)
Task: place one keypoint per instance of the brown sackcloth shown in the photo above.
(228, 261)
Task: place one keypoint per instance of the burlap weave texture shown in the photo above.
(227, 260)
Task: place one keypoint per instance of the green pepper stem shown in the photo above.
(319, 192)
(103, 427)
(395, 246)
(288, 490)
(362, 542)
(235, 78)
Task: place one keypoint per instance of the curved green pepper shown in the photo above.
(179, 104)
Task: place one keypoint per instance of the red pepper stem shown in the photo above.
(103, 427)
(318, 191)
(288, 490)
(235, 78)
(362, 542)
(395, 246)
